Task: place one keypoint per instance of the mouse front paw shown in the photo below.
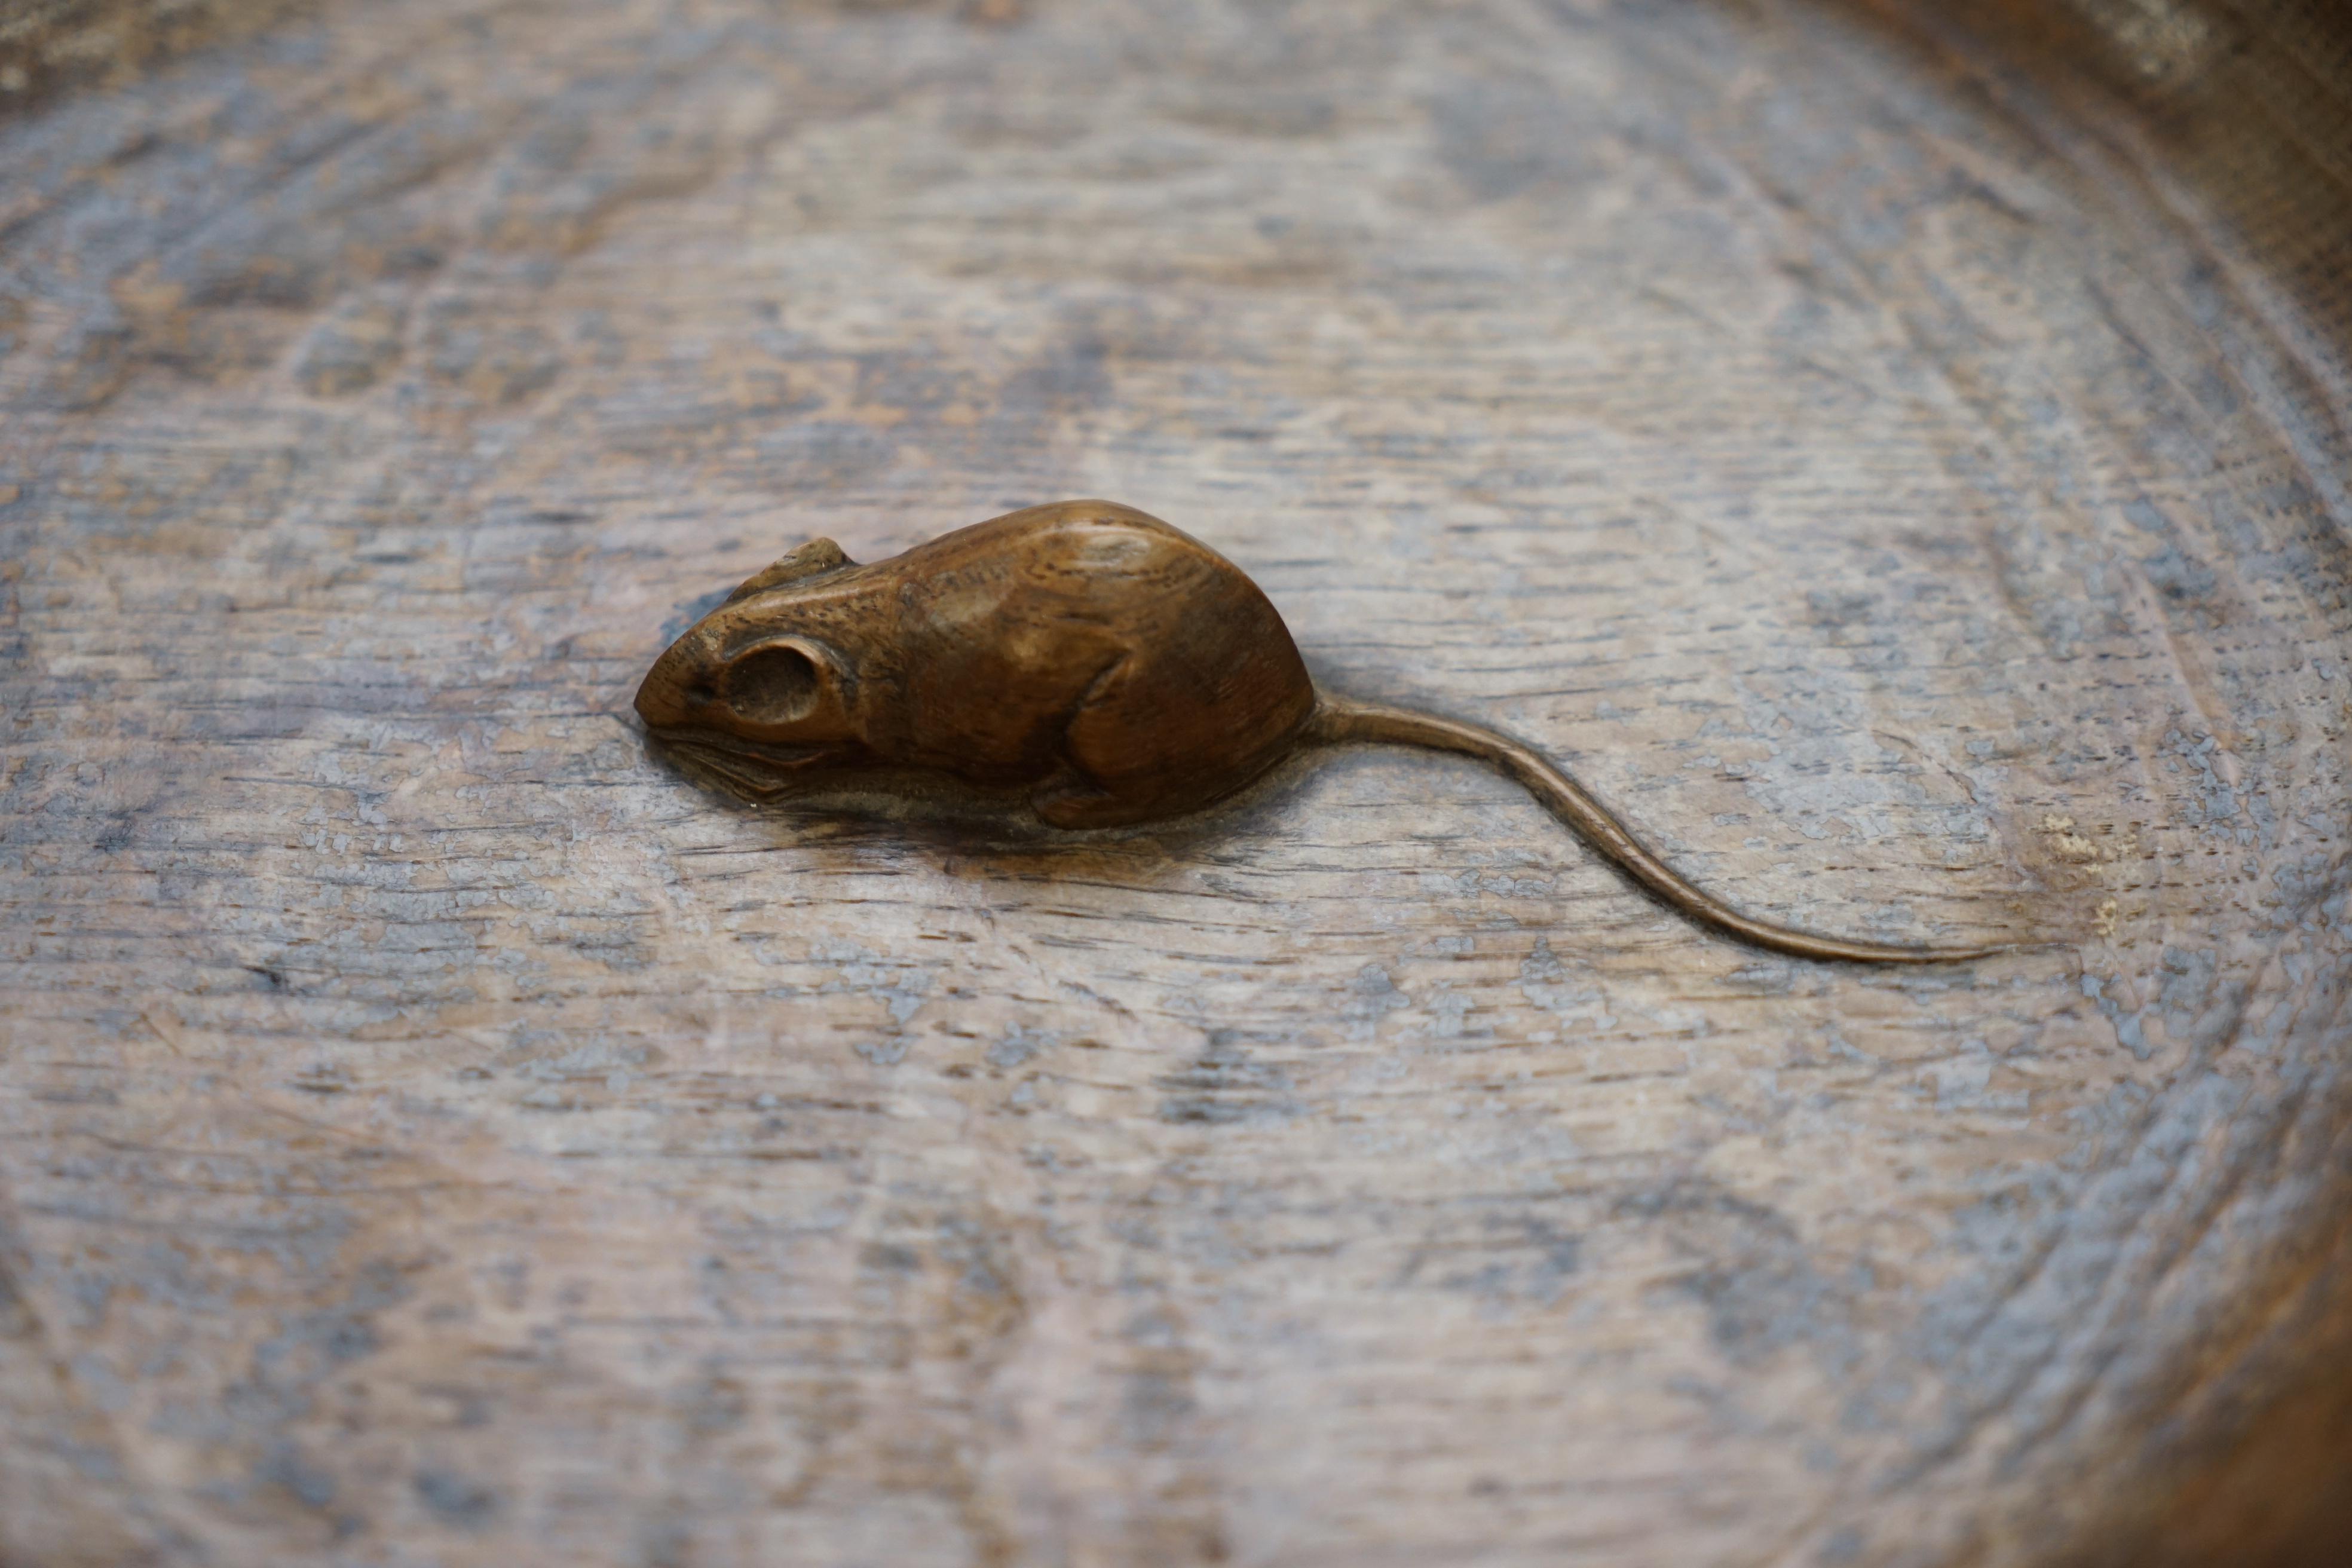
(1075, 802)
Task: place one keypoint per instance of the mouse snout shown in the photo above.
(678, 690)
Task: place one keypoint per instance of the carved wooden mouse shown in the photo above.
(1110, 668)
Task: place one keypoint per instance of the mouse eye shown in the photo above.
(774, 685)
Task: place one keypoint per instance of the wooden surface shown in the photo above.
(1900, 479)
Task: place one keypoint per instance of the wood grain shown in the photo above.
(1903, 478)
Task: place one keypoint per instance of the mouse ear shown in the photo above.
(813, 559)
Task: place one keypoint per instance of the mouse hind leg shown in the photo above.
(1098, 784)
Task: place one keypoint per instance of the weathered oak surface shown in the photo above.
(1906, 485)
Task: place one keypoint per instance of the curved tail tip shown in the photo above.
(1837, 951)
(1988, 950)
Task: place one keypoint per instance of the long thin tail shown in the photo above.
(1338, 720)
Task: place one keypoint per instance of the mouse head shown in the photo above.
(752, 690)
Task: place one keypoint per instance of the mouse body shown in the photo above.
(1106, 667)
(1111, 667)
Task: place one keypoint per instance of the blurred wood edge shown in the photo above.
(2242, 115)
(48, 46)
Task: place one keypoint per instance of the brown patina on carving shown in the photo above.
(1085, 656)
